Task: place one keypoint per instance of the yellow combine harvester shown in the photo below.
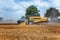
(36, 19)
(33, 19)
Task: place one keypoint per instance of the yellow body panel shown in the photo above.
(38, 19)
(43, 18)
(34, 17)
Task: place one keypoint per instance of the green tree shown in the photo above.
(52, 13)
(22, 17)
(32, 10)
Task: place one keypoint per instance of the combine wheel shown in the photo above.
(40, 23)
(30, 23)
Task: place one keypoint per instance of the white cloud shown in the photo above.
(40, 4)
(56, 3)
(35, 2)
(19, 8)
(8, 5)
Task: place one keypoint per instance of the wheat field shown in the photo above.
(30, 32)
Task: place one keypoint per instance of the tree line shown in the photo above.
(50, 13)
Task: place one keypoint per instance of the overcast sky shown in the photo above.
(14, 9)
